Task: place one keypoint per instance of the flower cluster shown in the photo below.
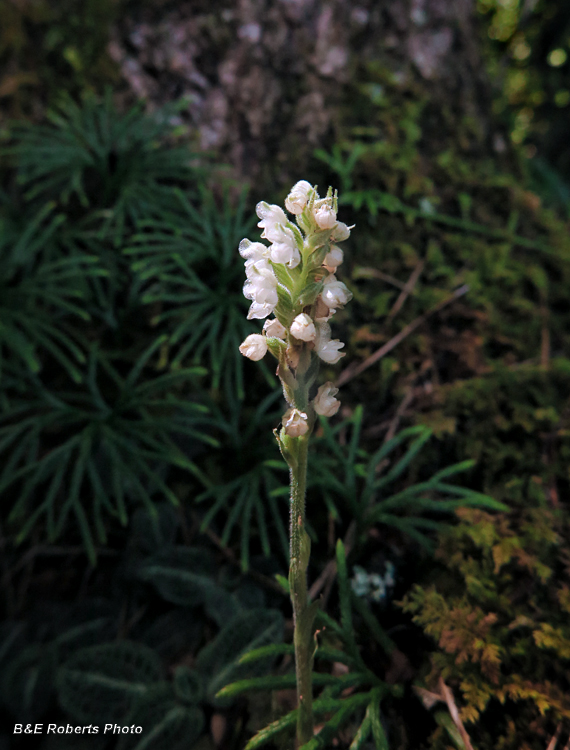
(293, 278)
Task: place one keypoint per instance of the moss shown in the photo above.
(53, 46)
(498, 614)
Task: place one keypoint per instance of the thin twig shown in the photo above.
(454, 713)
(554, 739)
(544, 338)
(351, 372)
(265, 580)
(406, 401)
(373, 273)
(407, 290)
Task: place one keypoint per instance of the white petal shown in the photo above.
(253, 250)
(325, 402)
(254, 347)
(295, 423)
(274, 328)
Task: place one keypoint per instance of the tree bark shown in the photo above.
(269, 81)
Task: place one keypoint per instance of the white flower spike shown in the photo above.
(261, 288)
(253, 251)
(341, 232)
(285, 277)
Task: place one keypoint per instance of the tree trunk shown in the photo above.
(269, 81)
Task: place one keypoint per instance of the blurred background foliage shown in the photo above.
(144, 516)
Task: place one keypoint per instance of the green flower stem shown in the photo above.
(302, 613)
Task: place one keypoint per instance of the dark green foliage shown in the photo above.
(54, 46)
(102, 683)
(168, 724)
(111, 169)
(255, 487)
(183, 576)
(117, 447)
(41, 297)
(365, 705)
(218, 663)
(348, 474)
(186, 262)
(27, 681)
(346, 477)
(75, 661)
(90, 424)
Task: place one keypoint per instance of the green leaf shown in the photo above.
(281, 682)
(167, 725)
(444, 720)
(219, 662)
(187, 685)
(380, 739)
(101, 684)
(361, 736)
(397, 470)
(184, 576)
(310, 293)
(344, 595)
(272, 730)
(322, 739)
(275, 649)
(26, 685)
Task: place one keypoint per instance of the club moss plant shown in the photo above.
(294, 279)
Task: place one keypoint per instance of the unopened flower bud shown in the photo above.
(273, 328)
(325, 402)
(333, 258)
(303, 328)
(335, 293)
(325, 216)
(295, 423)
(296, 201)
(254, 347)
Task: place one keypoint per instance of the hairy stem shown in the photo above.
(302, 616)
